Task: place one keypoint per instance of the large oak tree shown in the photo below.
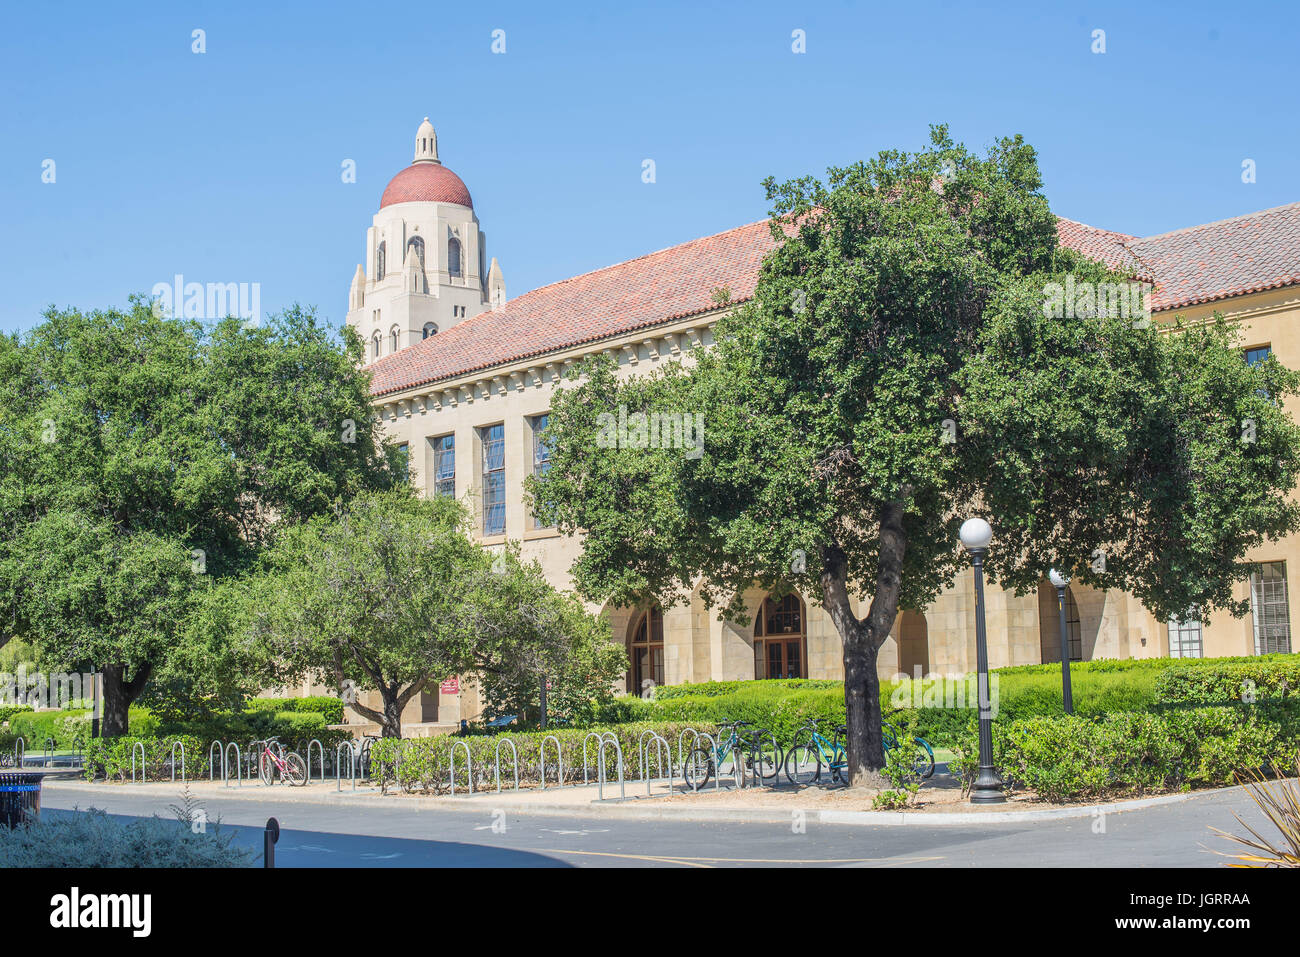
(898, 370)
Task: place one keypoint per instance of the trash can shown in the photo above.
(20, 796)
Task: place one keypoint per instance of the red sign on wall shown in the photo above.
(449, 686)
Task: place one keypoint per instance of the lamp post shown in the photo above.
(975, 536)
(1060, 581)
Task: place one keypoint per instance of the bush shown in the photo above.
(93, 839)
(9, 710)
(1230, 681)
(331, 708)
(110, 758)
(423, 764)
(1075, 758)
(70, 729)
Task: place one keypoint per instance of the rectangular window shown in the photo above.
(1185, 638)
(444, 465)
(404, 456)
(1255, 356)
(541, 454)
(494, 479)
(1268, 609)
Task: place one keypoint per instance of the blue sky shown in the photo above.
(225, 166)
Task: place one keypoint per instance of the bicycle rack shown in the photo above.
(239, 765)
(590, 734)
(47, 752)
(514, 752)
(559, 762)
(469, 769)
(144, 771)
(608, 738)
(320, 749)
(664, 755)
(338, 764)
(219, 748)
(178, 744)
(681, 738)
(20, 753)
(255, 748)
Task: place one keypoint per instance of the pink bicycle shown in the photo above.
(275, 759)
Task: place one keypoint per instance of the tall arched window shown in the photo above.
(429, 329)
(417, 242)
(645, 651)
(453, 257)
(394, 339)
(377, 341)
(381, 259)
(780, 639)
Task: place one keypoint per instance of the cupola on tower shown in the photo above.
(426, 265)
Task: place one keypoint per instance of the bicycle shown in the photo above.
(703, 761)
(922, 762)
(803, 762)
(275, 758)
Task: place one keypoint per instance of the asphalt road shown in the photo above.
(1171, 835)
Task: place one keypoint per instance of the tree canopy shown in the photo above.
(898, 370)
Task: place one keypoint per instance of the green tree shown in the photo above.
(896, 372)
(146, 459)
(391, 595)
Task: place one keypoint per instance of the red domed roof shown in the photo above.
(426, 183)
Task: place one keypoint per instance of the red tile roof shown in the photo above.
(1232, 257)
(1215, 261)
(426, 183)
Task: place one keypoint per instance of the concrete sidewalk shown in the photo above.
(728, 806)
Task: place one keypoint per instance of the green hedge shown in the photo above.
(110, 758)
(1076, 758)
(9, 710)
(70, 729)
(331, 708)
(422, 764)
(1230, 682)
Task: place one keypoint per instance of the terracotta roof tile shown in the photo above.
(1214, 261)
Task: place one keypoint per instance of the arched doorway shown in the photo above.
(645, 651)
(781, 638)
(913, 644)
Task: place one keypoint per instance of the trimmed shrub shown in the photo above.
(91, 838)
(1077, 758)
(9, 710)
(423, 764)
(70, 729)
(1230, 682)
(110, 758)
(331, 708)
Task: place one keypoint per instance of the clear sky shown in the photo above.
(225, 166)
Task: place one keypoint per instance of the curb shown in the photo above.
(634, 810)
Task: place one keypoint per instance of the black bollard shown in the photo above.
(269, 838)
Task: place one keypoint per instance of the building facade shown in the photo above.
(463, 378)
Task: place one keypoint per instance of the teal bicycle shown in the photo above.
(754, 752)
(803, 762)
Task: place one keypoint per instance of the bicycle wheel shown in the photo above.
(840, 771)
(803, 764)
(923, 763)
(770, 758)
(266, 769)
(295, 769)
(698, 767)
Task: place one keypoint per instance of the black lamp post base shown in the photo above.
(987, 788)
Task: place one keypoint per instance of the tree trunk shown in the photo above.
(119, 693)
(395, 701)
(862, 638)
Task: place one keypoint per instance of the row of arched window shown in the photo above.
(395, 339)
(417, 243)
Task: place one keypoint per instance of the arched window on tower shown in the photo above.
(453, 257)
(393, 339)
(377, 341)
(429, 329)
(380, 261)
(418, 243)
